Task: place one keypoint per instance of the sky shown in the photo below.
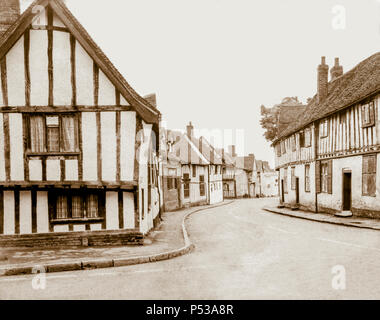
(215, 62)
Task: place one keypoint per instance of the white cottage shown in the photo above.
(77, 159)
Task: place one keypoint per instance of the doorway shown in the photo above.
(282, 191)
(346, 191)
(297, 190)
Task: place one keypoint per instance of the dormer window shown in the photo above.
(368, 118)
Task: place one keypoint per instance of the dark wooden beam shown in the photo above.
(7, 151)
(27, 67)
(96, 84)
(73, 70)
(4, 82)
(99, 145)
(121, 209)
(118, 124)
(50, 57)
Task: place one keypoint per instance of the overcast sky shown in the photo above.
(214, 62)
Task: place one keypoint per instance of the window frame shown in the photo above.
(368, 109)
(84, 198)
(293, 178)
(202, 189)
(307, 178)
(324, 128)
(186, 185)
(365, 175)
(45, 116)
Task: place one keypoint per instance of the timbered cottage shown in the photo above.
(329, 159)
(76, 150)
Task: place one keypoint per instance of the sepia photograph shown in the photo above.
(189, 154)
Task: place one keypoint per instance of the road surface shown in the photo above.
(242, 252)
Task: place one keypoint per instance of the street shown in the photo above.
(242, 252)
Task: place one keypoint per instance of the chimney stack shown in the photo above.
(9, 13)
(189, 130)
(323, 80)
(232, 150)
(152, 99)
(336, 70)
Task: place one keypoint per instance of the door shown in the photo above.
(346, 191)
(282, 191)
(297, 190)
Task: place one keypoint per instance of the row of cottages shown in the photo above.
(247, 177)
(329, 159)
(76, 150)
(192, 172)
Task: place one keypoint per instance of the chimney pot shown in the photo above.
(336, 70)
(189, 130)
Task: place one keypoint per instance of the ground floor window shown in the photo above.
(201, 185)
(369, 175)
(285, 180)
(293, 178)
(307, 177)
(186, 185)
(75, 204)
(172, 183)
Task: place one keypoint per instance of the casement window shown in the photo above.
(293, 142)
(278, 149)
(293, 178)
(324, 128)
(285, 180)
(201, 185)
(302, 139)
(368, 115)
(186, 185)
(75, 204)
(53, 133)
(307, 177)
(369, 175)
(194, 169)
(307, 142)
(326, 176)
(215, 169)
(283, 148)
(172, 183)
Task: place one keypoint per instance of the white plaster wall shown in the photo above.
(61, 228)
(38, 66)
(108, 141)
(79, 227)
(123, 102)
(58, 22)
(42, 212)
(16, 74)
(25, 212)
(128, 210)
(84, 76)
(53, 170)
(89, 146)
(106, 91)
(35, 170)
(127, 144)
(16, 146)
(71, 170)
(61, 69)
(95, 227)
(9, 212)
(112, 210)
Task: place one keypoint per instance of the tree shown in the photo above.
(269, 122)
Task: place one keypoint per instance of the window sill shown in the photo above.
(36, 154)
(368, 125)
(76, 220)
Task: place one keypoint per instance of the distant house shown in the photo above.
(268, 180)
(328, 157)
(76, 149)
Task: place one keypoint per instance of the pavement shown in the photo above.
(241, 252)
(356, 222)
(167, 241)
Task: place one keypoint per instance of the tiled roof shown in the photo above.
(355, 85)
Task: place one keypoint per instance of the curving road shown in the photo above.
(242, 252)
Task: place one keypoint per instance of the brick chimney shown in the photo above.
(152, 99)
(9, 13)
(323, 79)
(336, 70)
(232, 150)
(189, 130)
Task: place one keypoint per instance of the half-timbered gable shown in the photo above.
(70, 132)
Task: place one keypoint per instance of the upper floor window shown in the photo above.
(368, 118)
(324, 129)
(307, 142)
(53, 133)
(369, 175)
(293, 142)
